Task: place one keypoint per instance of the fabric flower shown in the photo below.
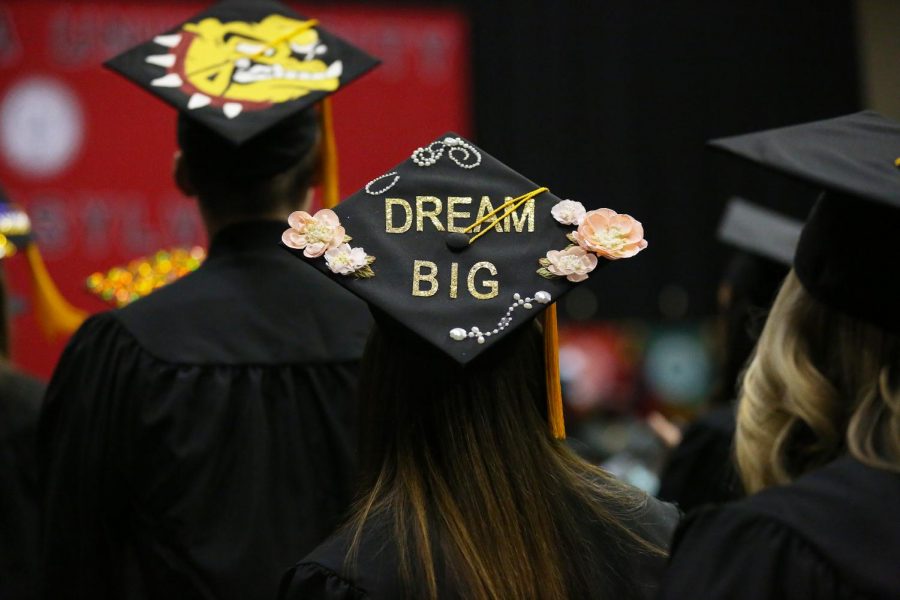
(345, 260)
(568, 212)
(573, 263)
(609, 234)
(314, 234)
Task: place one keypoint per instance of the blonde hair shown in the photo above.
(820, 384)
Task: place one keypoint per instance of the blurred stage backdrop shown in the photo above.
(89, 155)
(606, 102)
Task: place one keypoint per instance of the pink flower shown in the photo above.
(345, 260)
(573, 263)
(611, 235)
(313, 234)
(568, 212)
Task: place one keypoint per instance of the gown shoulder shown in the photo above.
(373, 575)
(830, 535)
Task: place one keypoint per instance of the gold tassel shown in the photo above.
(330, 191)
(555, 416)
(54, 314)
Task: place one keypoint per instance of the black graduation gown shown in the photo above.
(833, 534)
(195, 443)
(700, 470)
(323, 576)
(20, 401)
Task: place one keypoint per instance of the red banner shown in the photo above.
(89, 155)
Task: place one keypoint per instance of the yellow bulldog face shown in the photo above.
(248, 64)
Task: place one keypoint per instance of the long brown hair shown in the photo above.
(460, 463)
(820, 385)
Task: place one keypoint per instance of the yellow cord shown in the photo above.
(555, 414)
(331, 193)
(515, 202)
(53, 313)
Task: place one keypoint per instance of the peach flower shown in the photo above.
(568, 212)
(313, 234)
(611, 235)
(345, 260)
(573, 263)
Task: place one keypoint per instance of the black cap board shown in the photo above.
(459, 248)
(243, 65)
(760, 231)
(846, 256)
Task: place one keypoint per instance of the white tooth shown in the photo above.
(169, 41)
(162, 60)
(335, 70)
(172, 80)
(232, 109)
(321, 49)
(242, 63)
(198, 101)
(249, 49)
(277, 71)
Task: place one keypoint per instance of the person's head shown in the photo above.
(269, 176)
(749, 285)
(461, 463)
(821, 384)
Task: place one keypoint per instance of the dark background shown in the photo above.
(610, 103)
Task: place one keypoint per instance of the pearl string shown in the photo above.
(379, 178)
(430, 154)
(459, 334)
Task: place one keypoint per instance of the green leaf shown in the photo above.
(364, 273)
(546, 274)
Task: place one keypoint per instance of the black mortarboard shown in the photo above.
(453, 246)
(242, 66)
(759, 231)
(846, 257)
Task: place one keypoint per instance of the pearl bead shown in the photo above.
(527, 305)
(516, 296)
(543, 297)
(458, 334)
(480, 339)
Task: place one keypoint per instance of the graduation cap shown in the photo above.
(759, 231)
(242, 66)
(846, 256)
(15, 227)
(460, 250)
(53, 312)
